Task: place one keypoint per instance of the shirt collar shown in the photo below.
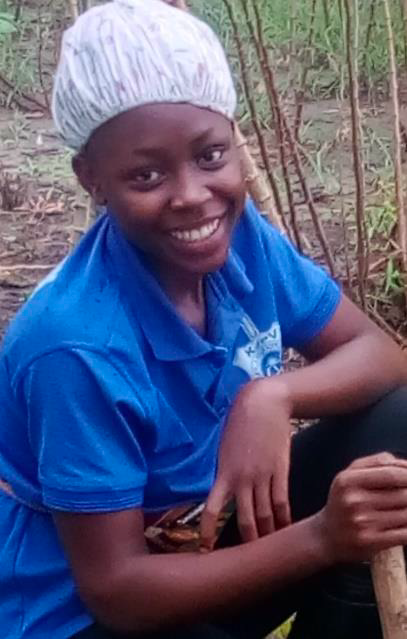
(170, 338)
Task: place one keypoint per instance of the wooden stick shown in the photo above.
(398, 177)
(74, 9)
(357, 142)
(256, 184)
(389, 578)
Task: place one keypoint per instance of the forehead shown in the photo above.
(160, 126)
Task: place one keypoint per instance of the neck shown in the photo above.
(181, 287)
(186, 291)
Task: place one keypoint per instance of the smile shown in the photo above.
(197, 234)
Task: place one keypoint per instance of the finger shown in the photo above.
(379, 459)
(390, 520)
(280, 499)
(263, 510)
(382, 477)
(390, 538)
(382, 500)
(210, 516)
(246, 515)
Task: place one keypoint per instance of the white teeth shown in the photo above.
(195, 235)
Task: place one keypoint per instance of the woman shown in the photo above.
(142, 375)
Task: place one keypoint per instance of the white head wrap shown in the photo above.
(129, 53)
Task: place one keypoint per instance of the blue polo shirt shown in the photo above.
(110, 401)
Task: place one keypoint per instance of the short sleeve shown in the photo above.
(306, 296)
(85, 428)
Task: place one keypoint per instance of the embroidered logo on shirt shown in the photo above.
(261, 356)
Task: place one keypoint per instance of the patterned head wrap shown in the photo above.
(129, 53)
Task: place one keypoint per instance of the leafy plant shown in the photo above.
(7, 24)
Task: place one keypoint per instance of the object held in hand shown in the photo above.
(178, 529)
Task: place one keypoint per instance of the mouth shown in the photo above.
(197, 234)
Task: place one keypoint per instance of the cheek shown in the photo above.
(138, 207)
(234, 183)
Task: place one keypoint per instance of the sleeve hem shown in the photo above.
(101, 501)
(327, 305)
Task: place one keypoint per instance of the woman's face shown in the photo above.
(171, 175)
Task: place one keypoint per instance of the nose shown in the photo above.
(190, 190)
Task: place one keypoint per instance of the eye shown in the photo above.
(212, 158)
(147, 179)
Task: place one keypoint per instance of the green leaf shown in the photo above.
(7, 24)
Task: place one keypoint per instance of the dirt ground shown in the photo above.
(43, 212)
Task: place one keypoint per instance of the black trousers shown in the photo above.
(339, 604)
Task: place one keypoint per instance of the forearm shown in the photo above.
(190, 587)
(347, 379)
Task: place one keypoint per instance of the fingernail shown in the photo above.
(204, 550)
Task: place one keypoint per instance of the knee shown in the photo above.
(393, 406)
(385, 423)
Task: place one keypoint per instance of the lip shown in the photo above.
(197, 225)
(206, 246)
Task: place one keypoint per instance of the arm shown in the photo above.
(353, 363)
(129, 590)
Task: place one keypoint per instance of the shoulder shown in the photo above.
(259, 244)
(255, 231)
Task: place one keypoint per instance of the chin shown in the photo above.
(208, 265)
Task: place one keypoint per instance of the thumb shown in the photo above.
(210, 516)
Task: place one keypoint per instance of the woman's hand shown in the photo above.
(254, 462)
(367, 508)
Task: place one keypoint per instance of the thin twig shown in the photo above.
(300, 94)
(369, 31)
(19, 6)
(25, 267)
(357, 152)
(40, 60)
(398, 175)
(403, 9)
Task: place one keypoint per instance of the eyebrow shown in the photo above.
(151, 152)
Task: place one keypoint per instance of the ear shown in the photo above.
(86, 176)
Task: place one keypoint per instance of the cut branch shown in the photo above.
(351, 52)
(389, 577)
(398, 174)
(369, 31)
(300, 94)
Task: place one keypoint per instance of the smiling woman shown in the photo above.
(145, 375)
(171, 174)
